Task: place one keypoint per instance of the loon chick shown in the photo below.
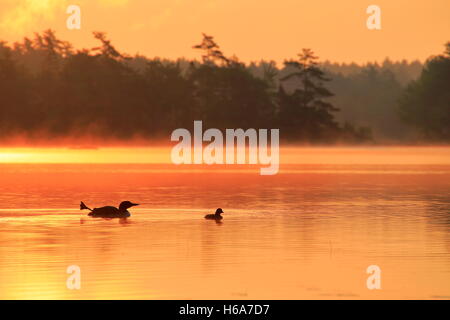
(109, 211)
(215, 216)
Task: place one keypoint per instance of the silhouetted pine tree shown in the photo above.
(304, 114)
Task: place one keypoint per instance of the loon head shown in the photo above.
(124, 205)
(219, 211)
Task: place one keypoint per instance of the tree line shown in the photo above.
(50, 89)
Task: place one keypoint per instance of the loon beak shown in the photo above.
(135, 204)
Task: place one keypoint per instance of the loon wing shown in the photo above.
(107, 211)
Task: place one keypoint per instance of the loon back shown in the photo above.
(109, 212)
(213, 217)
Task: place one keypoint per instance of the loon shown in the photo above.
(215, 216)
(109, 211)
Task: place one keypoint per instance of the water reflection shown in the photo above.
(295, 235)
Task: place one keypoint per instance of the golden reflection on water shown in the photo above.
(289, 155)
(309, 232)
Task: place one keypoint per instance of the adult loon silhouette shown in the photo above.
(215, 216)
(109, 211)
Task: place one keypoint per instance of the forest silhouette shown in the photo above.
(49, 90)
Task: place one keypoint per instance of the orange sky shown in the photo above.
(251, 29)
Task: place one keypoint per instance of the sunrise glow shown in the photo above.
(250, 29)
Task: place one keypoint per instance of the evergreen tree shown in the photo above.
(425, 103)
(304, 114)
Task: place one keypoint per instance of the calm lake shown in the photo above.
(308, 232)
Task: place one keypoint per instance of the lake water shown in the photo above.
(309, 232)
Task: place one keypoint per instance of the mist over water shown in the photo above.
(308, 232)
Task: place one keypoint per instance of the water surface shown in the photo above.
(309, 232)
